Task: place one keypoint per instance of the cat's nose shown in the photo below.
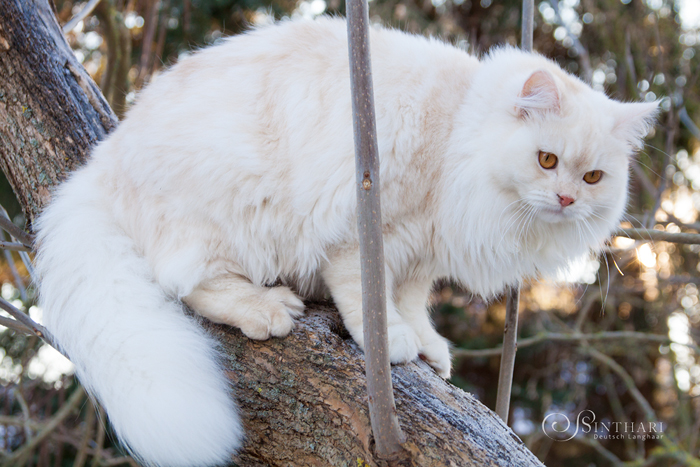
(564, 200)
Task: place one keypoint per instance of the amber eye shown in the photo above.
(593, 176)
(548, 160)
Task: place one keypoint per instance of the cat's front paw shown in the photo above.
(274, 314)
(403, 343)
(437, 354)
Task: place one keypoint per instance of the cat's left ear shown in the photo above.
(539, 95)
(633, 121)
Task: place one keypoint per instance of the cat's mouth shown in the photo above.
(555, 214)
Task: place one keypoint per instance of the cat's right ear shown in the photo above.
(539, 95)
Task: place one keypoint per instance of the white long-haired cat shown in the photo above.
(236, 170)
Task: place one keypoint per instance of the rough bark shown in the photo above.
(51, 111)
(303, 398)
(304, 403)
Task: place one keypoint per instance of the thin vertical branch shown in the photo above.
(528, 20)
(510, 347)
(160, 42)
(147, 42)
(510, 333)
(115, 80)
(82, 454)
(100, 438)
(385, 425)
(13, 269)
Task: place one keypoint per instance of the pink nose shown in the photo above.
(565, 200)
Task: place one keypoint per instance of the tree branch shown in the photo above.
(382, 409)
(72, 403)
(24, 319)
(571, 337)
(70, 25)
(14, 325)
(658, 235)
(510, 347)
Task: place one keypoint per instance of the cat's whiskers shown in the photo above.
(579, 231)
(520, 220)
(604, 299)
(520, 212)
(530, 223)
(629, 217)
(505, 208)
(523, 224)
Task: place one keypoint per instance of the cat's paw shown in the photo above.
(437, 354)
(403, 343)
(274, 316)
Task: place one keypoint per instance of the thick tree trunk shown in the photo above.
(51, 111)
(303, 397)
(304, 402)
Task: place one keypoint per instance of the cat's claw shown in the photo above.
(437, 354)
(403, 343)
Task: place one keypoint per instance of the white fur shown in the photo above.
(236, 170)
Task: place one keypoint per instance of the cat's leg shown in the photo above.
(412, 302)
(343, 278)
(260, 312)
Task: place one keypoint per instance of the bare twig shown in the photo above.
(599, 448)
(82, 454)
(689, 123)
(510, 331)
(70, 405)
(672, 450)
(14, 325)
(385, 424)
(15, 275)
(28, 264)
(160, 42)
(658, 235)
(528, 20)
(13, 246)
(100, 438)
(24, 238)
(147, 43)
(582, 52)
(102, 457)
(616, 406)
(586, 310)
(17, 421)
(23, 318)
(636, 394)
(510, 336)
(70, 25)
(629, 60)
(115, 82)
(573, 337)
(644, 179)
(25, 413)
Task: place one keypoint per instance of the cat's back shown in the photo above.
(281, 85)
(267, 115)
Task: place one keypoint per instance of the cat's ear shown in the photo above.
(539, 95)
(633, 121)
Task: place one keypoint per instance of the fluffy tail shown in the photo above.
(152, 368)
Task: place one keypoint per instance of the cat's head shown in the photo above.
(562, 149)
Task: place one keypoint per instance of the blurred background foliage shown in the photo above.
(620, 341)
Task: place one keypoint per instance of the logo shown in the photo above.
(560, 427)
